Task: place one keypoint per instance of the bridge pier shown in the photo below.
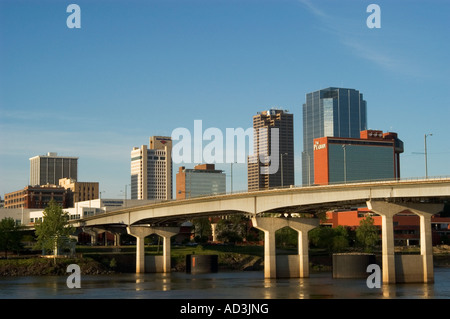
(93, 232)
(387, 211)
(140, 232)
(214, 231)
(269, 225)
(116, 239)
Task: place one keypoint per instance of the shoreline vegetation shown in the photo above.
(109, 260)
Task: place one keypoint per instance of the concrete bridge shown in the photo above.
(274, 209)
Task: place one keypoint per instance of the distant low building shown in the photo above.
(37, 197)
(203, 179)
(406, 224)
(81, 191)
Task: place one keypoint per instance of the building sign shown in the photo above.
(318, 146)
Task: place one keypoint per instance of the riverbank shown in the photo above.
(109, 260)
(38, 266)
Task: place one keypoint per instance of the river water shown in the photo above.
(221, 285)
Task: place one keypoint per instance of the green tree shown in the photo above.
(322, 237)
(9, 235)
(340, 240)
(367, 234)
(232, 229)
(286, 237)
(54, 231)
(331, 239)
(202, 228)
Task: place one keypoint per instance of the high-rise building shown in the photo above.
(204, 179)
(151, 170)
(50, 168)
(272, 162)
(373, 156)
(333, 112)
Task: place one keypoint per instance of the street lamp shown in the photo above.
(426, 164)
(231, 182)
(309, 167)
(344, 147)
(125, 194)
(282, 184)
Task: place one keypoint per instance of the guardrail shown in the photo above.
(296, 187)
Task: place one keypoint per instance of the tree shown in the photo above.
(202, 228)
(9, 235)
(340, 239)
(232, 229)
(331, 239)
(286, 237)
(367, 234)
(53, 232)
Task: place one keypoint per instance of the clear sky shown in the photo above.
(140, 68)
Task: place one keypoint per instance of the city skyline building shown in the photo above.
(37, 197)
(203, 179)
(50, 168)
(258, 165)
(151, 170)
(330, 112)
(373, 156)
(81, 191)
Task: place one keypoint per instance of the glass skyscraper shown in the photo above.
(334, 112)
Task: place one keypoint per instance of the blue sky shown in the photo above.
(140, 68)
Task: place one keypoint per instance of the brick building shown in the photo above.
(406, 224)
(37, 197)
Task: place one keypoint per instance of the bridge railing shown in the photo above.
(349, 183)
(352, 183)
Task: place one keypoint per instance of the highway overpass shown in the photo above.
(274, 209)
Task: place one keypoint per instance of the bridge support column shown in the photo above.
(166, 233)
(269, 225)
(214, 231)
(93, 232)
(116, 239)
(387, 211)
(140, 232)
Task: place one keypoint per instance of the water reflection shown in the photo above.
(229, 285)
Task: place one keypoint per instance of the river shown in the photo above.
(221, 285)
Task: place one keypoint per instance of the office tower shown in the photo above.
(151, 170)
(50, 168)
(204, 179)
(333, 112)
(265, 174)
(373, 156)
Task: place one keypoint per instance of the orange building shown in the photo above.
(373, 156)
(406, 224)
